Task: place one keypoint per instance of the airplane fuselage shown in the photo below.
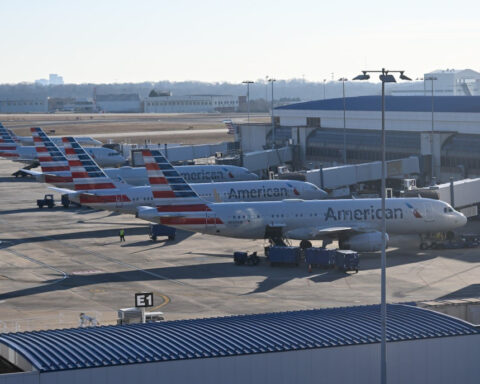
(126, 199)
(302, 219)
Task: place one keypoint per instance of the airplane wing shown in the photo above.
(322, 232)
(63, 190)
(33, 173)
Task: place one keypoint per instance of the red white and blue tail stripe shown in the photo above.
(86, 174)
(8, 146)
(176, 202)
(52, 161)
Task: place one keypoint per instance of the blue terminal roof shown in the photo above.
(77, 348)
(393, 103)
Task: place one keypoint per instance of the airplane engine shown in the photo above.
(364, 242)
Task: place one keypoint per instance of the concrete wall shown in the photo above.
(113, 106)
(254, 137)
(433, 361)
(403, 121)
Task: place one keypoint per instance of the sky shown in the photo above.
(106, 41)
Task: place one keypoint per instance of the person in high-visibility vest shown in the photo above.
(122, 235)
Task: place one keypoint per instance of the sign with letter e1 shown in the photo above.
(144, 300)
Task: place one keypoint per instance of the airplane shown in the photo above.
(128, 175)
(28, 140)
(101, 192)
(106, 157)
(356, 223)
(192, 173)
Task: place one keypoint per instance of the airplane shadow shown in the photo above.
(93, 234)
(10, 179)
(164, 241)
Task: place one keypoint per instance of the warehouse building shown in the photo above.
(338, 345)
(24, 106)
(120, 103)
(191, 104)
(318, 128)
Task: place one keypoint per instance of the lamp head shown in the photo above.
(403, 77)
(364, 76)
(387, 78)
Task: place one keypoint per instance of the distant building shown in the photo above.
(121, 103)
(448, 82)
(191, 103)
(54, 79)
(24, 106)
(77, 105)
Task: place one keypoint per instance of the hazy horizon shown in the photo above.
(110, 42)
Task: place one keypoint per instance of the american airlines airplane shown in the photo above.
(95, 189)
(106, 157)
(355, 223)
(83, 141)
(55, 168)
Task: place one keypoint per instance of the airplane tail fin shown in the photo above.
(171, 193)
(8, 146)
(14, 136)
(86, 174)
(51, 159)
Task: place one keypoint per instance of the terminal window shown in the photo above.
(313, 121)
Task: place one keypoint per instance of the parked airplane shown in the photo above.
(355, 223)
(192, 173)
(83, 141)
(125, 198)
(27, 154)
(129, 175)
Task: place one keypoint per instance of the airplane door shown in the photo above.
(428, 212)
(118, 201)
(210, 221)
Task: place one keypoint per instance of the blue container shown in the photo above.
(320, 257)
(161, 230)
(347, 260)
(240, 258)
(284, 255)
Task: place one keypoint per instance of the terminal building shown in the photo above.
(166, 103)
(451, 133)
(24, 106)
(333, 345)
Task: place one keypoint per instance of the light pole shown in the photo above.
(248, 82)
(432, 164)
(272, 80)
(343, 80)
(385, 77)
(324, 89)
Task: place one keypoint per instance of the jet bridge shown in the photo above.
(462, 195)
(343, 176)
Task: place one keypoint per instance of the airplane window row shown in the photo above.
(140, 198)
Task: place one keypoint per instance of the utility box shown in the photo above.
(320, 257)
(156, 230)
(347, 260)
(284, 255)
(135, 316)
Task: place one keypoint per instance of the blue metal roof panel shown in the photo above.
(469, 104)
(75, 348)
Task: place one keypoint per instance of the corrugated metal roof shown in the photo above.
(393, 103)
(227, 336)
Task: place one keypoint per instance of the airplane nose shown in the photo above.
(461, 219)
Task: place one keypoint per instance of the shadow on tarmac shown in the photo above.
(472, 290)
(273, 276)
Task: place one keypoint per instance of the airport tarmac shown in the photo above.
(57, 263)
